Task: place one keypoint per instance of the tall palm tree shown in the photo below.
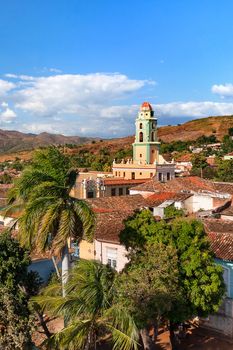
(49, 216)
(89, 310)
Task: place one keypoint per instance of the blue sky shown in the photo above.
(83, 67)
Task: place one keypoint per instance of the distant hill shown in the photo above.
(195, 128)
(15, 141)
(12, 142)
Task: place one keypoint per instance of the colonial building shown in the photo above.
(146, 162)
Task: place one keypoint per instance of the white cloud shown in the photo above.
(73, 94)
(7, 115)
(55, 70)
(5, 87)
(224, 90)
(194, 109)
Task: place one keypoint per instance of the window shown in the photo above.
(152, 136)
(168, 176)
(116, 173)
(123, 174)
(120, 191)
(140, 126)
(153, 151)
(140, 173)
(127, 190)
(153, 125)
(140, 155)
(132, 176)
(160, 176)
(90, 194)
(113, 192)
(111, 254)
(119, 174)
(141, 137)
(151, 174)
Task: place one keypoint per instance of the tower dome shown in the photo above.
(146, 106)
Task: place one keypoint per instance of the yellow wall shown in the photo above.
(86, 250)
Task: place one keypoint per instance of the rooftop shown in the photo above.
(118, 203)
(188, 183)
(220, 233)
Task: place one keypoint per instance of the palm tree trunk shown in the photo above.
(65, 264)
(56, 268)
(148, 344)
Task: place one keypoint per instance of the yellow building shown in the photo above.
(146, 162)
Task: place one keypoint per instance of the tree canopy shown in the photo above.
(201, 287)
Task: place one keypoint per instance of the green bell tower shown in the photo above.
(146, 145)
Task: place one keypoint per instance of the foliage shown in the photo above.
(171, 212)
(89, 310)
(148, 283)
(227, 144)
(14, 321)
(6, 178)
(225, 170)
(198, 162)
(16, 284)
(201, 285)
(49, 216)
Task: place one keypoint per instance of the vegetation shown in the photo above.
(225, 170)
(90, 312)
(16, 286)
(49, 216)
(147, 287)
(200, 283)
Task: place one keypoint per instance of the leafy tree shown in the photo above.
(171, 212)
(6, 178)
(225, 170)
(90, 314)
(147, 287)
(227, 144)
(201, 287)
(198, 163)
(14, 281)
(50, 216)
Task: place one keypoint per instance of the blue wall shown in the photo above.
(44, 267)
(229, 266)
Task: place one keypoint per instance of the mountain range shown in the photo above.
(12, 142)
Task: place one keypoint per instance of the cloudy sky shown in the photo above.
(83, 67)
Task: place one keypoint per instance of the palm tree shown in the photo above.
(49, 216)
(89, 310)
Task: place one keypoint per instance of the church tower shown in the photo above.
(146, 145)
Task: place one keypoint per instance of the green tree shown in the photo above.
(225, 170)
(90, 314)
(50, 216)
(14, 281)
(171, 212)
(227, 144)
(198, 163)
(201, 287)
(147, 287)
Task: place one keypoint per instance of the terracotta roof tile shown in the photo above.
(116, 181)
(220, 233)
(118, 203)
(228, 211)
(109, 225)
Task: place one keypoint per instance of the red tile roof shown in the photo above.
(118, 203)
(220, 233)
(109, 225)
(118, 181)
(228, 212)
(188, 183)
